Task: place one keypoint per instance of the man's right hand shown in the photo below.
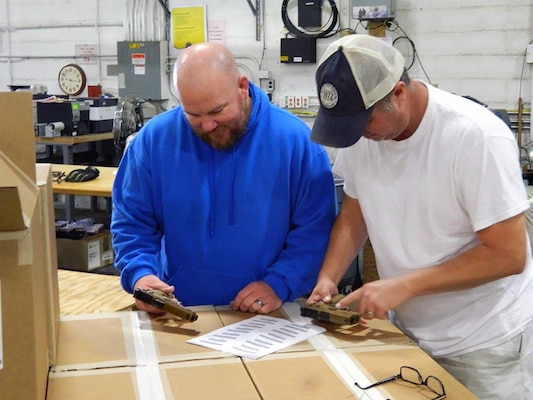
(324, 290)
(151, 282)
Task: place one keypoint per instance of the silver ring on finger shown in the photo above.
(258, 301)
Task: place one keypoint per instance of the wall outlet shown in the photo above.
(281, 102)
(290, 101)
(305, 102)
(297, 102)
(267, 85)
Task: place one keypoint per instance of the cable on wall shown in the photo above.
(327, 32)
(405, 37)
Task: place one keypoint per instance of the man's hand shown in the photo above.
(376, 298)
(257, 297)
(324, 290)
(151, 282)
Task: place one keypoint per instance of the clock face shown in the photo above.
(72, 79)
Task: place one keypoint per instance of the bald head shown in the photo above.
(205, 66)
(214, 96)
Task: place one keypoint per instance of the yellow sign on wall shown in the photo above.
(188, 26)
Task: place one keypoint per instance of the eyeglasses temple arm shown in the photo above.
(381, 382)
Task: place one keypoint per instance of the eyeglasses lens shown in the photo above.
(411, 375)
(436, 386)
(433, 383)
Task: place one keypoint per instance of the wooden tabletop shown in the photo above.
(101, 186)
(87, 293)
(72, 140)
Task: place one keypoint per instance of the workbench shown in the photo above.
(67, 143)
(99, 187)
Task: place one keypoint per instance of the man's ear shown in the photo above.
(400, 90)
(244, 85)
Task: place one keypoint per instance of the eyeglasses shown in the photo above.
(412, 375)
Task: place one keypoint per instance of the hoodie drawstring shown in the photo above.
(232, 188)
(213, 197)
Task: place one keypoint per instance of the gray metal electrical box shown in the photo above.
(142, 69)
(368, 10)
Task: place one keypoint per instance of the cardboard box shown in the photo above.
(46, 196)
(24, 298)
(131, 355)
(17, 138)
(85, 254)
(206, 379)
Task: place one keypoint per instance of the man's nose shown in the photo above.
(208, 124)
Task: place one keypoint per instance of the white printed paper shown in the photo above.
(258, 336)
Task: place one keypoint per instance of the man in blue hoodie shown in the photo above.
(229, 188)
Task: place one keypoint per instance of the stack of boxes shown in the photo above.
(29, 306)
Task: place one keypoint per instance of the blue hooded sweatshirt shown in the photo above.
(260, 211)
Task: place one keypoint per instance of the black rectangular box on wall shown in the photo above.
(298, 50)
(309, 13)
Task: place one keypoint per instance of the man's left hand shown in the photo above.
(257, 297)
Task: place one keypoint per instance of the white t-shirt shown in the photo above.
(424, 198)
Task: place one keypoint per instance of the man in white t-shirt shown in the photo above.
(435, 184)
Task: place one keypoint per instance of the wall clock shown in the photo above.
(72, 79)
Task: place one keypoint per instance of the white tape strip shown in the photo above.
(319, 342)
(149, 382)
(350, 373)
(341, 362)
(145, 348)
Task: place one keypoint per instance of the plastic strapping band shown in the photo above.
(341, 362)
(149, 384)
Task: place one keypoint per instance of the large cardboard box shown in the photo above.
(85, 254)
(17, 138)
(130, 355)
(46, 196)
(24, 298)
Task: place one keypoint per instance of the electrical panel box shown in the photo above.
(298, 50)
(142, 69)
(368, 10)
(309, 13)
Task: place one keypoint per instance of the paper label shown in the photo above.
(93, 256)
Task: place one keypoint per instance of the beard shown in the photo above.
(222, 137)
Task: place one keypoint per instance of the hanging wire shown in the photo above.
(405, 36)
(325, 31)
(522, 72)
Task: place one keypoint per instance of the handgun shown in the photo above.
(164, 301)
(327, 312)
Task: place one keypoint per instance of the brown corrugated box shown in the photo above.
(25, 276)
(44, 183)
(129, 355)
(85, 254)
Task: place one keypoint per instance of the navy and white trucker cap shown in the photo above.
(355, 72)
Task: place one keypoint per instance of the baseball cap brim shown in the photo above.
(339, 131)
